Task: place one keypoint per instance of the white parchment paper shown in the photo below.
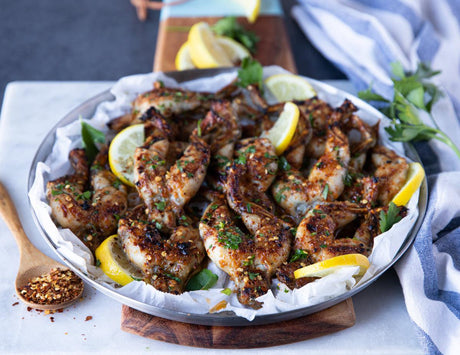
(279, 298)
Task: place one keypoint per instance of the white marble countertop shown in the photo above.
(29, 111)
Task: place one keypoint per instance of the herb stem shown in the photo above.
(446, 140)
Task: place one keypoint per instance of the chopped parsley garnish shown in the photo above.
(160, 205)
(226, 291)
(198, 128)
(348, 179)
(253, 275)
(249, 261)
(279, 196)
(172, 277)
(325, 191)
(283, 164)
(299, 254)
(116, 184)
(230, 238)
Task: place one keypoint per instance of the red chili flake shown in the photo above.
(15, 303)
(56, 287)
(88, 318)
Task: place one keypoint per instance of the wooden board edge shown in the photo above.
(331, 320)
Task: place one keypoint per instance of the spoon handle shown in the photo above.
(10, 215)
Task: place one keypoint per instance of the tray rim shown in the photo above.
(223, 318)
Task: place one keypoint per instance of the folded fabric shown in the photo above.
(363, 38)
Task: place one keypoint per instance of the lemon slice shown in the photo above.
(121, 152)
(183, 58)
(414, 179)
(205, 51)
(284, 128)
(329, 266)
(114, 262)
(251, 9)
(287, 87)
(234, 50)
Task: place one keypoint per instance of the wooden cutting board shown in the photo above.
(272, 49)
(333, 319)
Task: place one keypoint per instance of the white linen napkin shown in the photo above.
(362, 38)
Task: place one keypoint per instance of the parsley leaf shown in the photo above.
(226, 291)
(229, 27)
(299, 254)
(389, 218)
(413, 93)
(250, 73)
(90, 137)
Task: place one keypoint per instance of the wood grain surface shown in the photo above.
(273, 47)
(333, 319)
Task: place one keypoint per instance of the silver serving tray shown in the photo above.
(88, 108)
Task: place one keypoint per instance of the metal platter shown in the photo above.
(88, 108)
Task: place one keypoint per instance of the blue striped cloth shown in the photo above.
(362, 38)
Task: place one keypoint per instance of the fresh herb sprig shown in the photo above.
(229, 27)
(251, 72)
(413, 94)
(387, 219)
(90, 137)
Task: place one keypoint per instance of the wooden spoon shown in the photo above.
(32, 262)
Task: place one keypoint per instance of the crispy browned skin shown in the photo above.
(221, 130)
(250, 259)
(294, 192)
(90, 213)
(165, 190)
(166, 262)
(268, 242)
(391, 173)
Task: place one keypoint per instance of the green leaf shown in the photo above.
(90, 137)
(368, 95)
(388, 219)
(250, 73)
(424, 71)
(283, 164)
(229, 27)
(325, 191)
(204, 280)
(397, 70)
(407, 133)
(226, 291)
(416, 96)
(434, 94)
(299, 254)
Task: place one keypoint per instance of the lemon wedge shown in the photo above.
(287, 87)
(114, 262)
(284, 128)
(121, 152)
(329, 266)
(251, 9)
(183, 59)
(234, 50)
(414, 179)
(205, 50)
